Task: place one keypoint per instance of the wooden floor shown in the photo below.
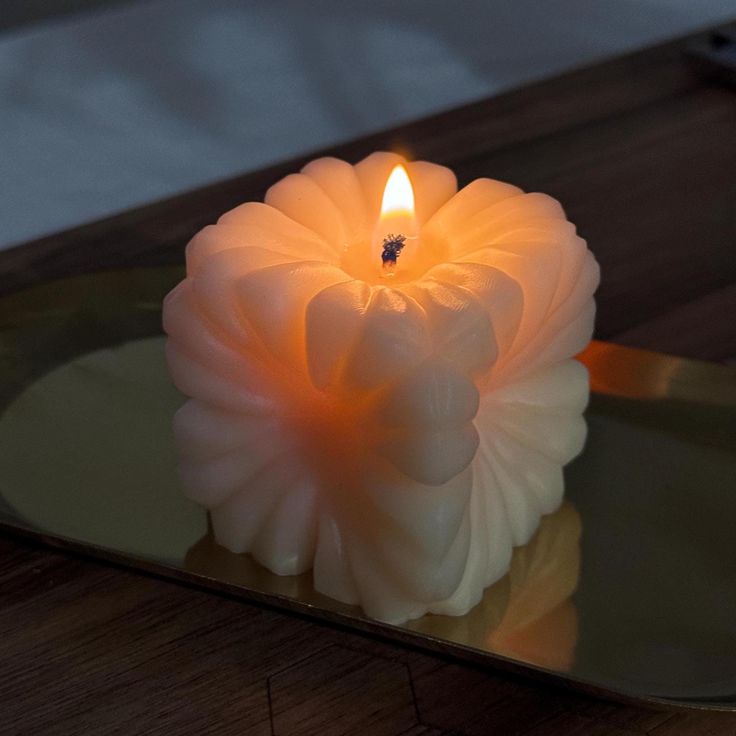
(642, 153)
(88, 649)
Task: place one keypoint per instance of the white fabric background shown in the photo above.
(107, 110)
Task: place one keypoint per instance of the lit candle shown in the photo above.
(381, 378)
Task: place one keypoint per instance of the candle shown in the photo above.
(382, 378)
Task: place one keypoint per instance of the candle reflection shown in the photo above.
(529, 614)
(540, 623)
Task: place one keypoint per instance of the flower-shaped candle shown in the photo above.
(381, 378)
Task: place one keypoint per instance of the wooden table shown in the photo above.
(642, 152)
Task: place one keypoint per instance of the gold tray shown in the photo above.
(629, 590)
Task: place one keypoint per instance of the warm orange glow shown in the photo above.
(398, 196)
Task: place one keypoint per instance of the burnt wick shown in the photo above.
(392, 246)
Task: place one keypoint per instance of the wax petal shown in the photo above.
(269, 228)
(529, 430)
(500, 295)
(394, 340)
(548, 349)
(578, 296)
(570, 339)
(528, 210)
(253, 392)
(237, 521)
(535, 268)
(304, 201)
(434, 396)
(461, 327)
(334, 321)
(405, 554)
(495, 526)
(204, 432)
(380, 595)
(469, 590)
(531, 469)
(275, 300)
(210, 240)
(433, 186)
(561, 387)
(333, 575)
(490, 545)
(471, 199)
(565, 332)
(287, 540)
(504, 216)
(556, 234)
(403, 585)
(431, 581)
(199, 336)
(213, 482)
(523, 508)
(214, 288)
(560, 436)
(339, 181)
(555, 427)
(496, 520)
(431, 457)
(429, 516)
(552, 229)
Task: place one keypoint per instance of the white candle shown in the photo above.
(398, 427)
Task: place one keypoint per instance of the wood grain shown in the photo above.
(641, 152)
(90, 649)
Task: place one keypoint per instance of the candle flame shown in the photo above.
(398, 196)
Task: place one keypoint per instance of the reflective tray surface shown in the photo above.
(628, 590)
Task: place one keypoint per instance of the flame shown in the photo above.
(398, 196)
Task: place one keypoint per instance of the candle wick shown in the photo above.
(392, 245)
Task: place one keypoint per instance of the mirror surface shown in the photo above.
(630, 586)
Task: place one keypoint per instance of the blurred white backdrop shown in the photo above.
(109, 109)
